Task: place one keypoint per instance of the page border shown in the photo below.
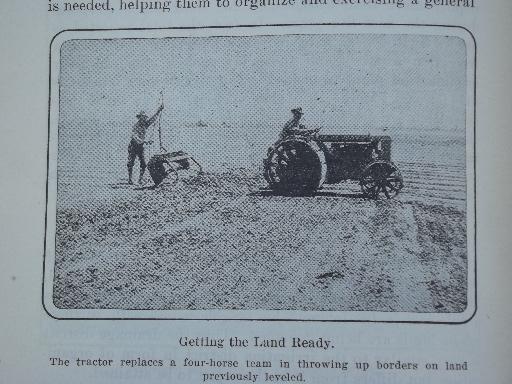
(224, 27)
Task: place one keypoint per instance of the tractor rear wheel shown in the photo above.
(295, 167)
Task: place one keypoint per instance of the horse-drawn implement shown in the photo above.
(165, 165)
(302, 164)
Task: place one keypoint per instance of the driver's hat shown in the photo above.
(297, 110)
(141, 114)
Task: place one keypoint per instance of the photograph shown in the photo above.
(282, 172)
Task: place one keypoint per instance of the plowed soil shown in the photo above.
(222, 241)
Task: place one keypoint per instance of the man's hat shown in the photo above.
(141, 114)
(297, 110)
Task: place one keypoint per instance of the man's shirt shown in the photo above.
(140, 128)
(289, 127)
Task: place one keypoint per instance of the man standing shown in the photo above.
(136, 146)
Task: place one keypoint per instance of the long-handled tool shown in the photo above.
(167, 164)
(162, 149)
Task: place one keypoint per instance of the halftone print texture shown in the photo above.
(217, 239)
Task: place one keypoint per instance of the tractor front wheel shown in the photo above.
(381, 179)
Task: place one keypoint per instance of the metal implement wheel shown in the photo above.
(381, 179)
(171, 174)
(160, 169)
(146, 178)
(295, 166)
(195, 166)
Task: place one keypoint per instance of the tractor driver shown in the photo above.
(292, 126)
(136, 146)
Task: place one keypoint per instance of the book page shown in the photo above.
(259, 191)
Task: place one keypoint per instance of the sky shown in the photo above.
(350, 82)
(241, 90)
